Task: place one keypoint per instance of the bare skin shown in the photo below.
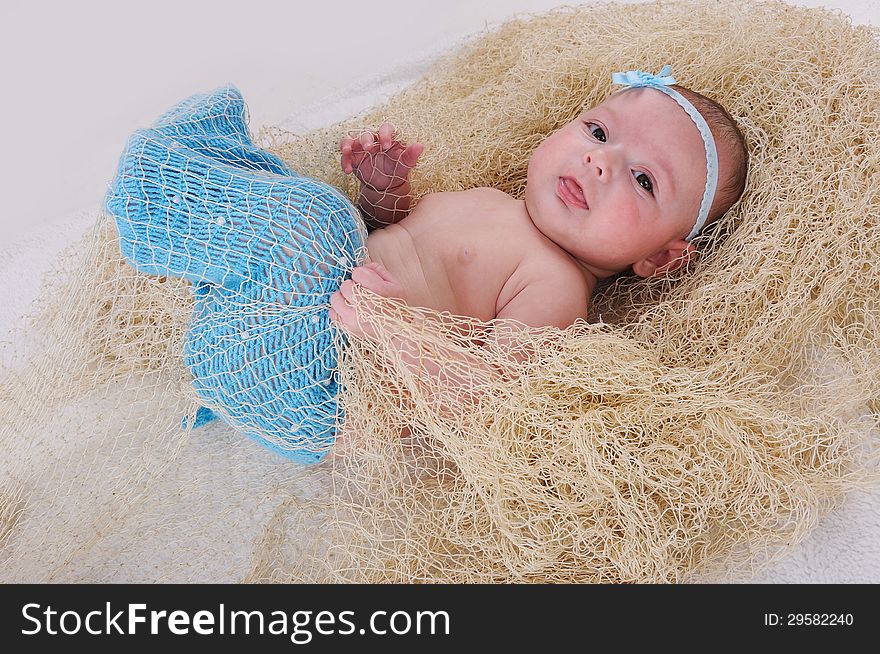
(618, 187)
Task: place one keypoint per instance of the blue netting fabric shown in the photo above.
(264, 248)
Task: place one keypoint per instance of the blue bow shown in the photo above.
(641, 78)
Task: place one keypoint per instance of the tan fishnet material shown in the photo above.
(692, 429)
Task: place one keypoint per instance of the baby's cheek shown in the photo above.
(630, 215)
(539, 158)
(537, 173)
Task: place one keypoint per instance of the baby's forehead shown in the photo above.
(648, 113)
(635, 102)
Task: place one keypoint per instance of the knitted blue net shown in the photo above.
(264, 248)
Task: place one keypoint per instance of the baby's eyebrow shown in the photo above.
(608, 111)
(599, 108)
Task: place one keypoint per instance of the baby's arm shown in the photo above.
(552, 301)
(382, 164)
(453, 373)
(452, 368)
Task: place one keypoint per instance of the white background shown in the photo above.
(78, 77)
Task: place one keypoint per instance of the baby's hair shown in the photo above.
(727, 135)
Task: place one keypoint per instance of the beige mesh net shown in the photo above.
(695, 427)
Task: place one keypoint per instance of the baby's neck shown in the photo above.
(591, 274)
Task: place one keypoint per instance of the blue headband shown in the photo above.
(661, 82)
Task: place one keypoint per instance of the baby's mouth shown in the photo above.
(571, 193)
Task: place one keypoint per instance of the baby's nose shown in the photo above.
(599, 162)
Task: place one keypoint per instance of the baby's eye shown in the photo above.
(645, 182)
(597, 132)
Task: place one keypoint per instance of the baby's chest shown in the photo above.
(473, 256)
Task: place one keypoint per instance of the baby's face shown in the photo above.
(621, 182)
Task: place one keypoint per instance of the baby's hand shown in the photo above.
(375, 277)
(379, 160)
(344, 306)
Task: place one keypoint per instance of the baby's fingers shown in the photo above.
(386, 136)
(343, 313)
(353, 155)
(367, 141)
(368, 278)
(410, 156)
(375, 277)
(345, 143)
(381, 271)
(346, 290)
(345, 159)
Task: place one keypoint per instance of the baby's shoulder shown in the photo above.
(481, 195)
(547, 289)
(557, 270)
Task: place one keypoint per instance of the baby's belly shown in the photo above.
(422, 273)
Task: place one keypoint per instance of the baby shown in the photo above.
(626, 185)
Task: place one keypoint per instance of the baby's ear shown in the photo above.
(673, 256)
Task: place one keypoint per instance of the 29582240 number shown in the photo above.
(819, 619)
(808, 619)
